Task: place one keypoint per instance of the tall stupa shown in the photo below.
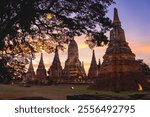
(119, 71)
(73, 70)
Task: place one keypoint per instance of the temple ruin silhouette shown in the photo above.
(119, 70)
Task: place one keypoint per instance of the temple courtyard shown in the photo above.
(63, 92)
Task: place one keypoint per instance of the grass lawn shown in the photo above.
(56, 92)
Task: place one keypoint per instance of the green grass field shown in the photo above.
(56, 92)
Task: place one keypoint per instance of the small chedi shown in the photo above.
(93, 70)
(40, 77)
(55, 70)
(119, 70)
(41, 72)
(30, 75)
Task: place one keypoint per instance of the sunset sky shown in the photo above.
(135, 19)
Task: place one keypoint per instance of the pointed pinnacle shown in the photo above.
(41, 55)
(99, 62)
(41, 60)
(93, 56)
(116, 17)
(93, 62)
(93, 52)
(56, 56)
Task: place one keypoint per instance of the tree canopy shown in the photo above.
(27, 26)
(58, 20)
(145, 67)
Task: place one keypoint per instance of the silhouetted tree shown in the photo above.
(145, 67)
(54, 19)
(5, 71)
(27, 26)
(12, 67)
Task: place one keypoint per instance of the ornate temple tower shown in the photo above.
(119, 70)
(30, 75)
(93, 70)
(41, 71)
(73, 71)
(55, 70)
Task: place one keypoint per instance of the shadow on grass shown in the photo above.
(32, 98)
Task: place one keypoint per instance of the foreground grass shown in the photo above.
(53, 92)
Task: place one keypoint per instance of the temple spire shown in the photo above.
(117, 33)
(99, 64)
(73, 50)
(41, 63)
(73, 67)
(55, 70)
(30, 76)
(31, 66)
(93, 71)
(41, 71)
(116, 21)
(56, 57)
(93, 62)
(119, 67)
